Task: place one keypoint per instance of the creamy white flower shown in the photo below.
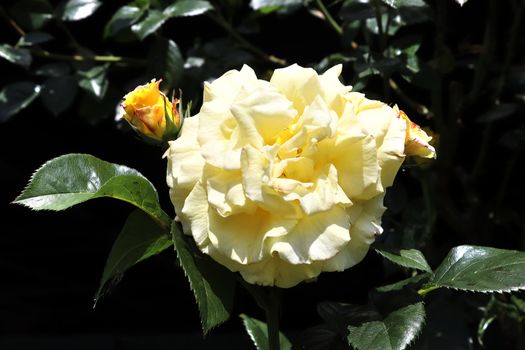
(281, 180)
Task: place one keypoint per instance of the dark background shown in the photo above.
(51, 262)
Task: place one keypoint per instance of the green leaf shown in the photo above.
(186, 8)
(405, 3)
(15, 97)
(94, 80)
(169, 64)
(153, 21)
(259, 4)
(123, 18)
(58, 93)
(15, 55)
(75, 10)
(32, 14)
(258, 332)
(75, 178)
(480, 269)
(34, 38)
(395, 332)
(212, 284)
(140, 238)
(409, 258)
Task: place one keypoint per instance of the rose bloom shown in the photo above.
(145, 110)
(281, 180)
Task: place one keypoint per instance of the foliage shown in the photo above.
(454, 223)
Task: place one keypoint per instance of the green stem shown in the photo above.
(272, 311)
(335, 26)
(97, 58)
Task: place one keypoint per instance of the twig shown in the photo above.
(335, 26)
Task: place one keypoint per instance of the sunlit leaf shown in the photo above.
(15, 55)
(75, 10)
(212, 284)
(409, 258)
(405, 3)
(480, 269)
(140, 238)
(94, 80)
(259, 4)
(186, 8)
(58, 93)
(258, 332)
(75, 178)
(15, 97)
(394, 332)
(153, 21)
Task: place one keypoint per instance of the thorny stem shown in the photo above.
(219, 19)
(333, 23)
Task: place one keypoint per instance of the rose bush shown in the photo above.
(281, 180)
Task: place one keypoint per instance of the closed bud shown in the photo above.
(151, 113)
(417, 141)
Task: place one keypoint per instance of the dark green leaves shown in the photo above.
(15, 55)
(140, 238)
(258, 332)
(75, 10)
(480, 269)
(15, 97)
(409, 258)
(75, 178)
(58, 93)
(394, 332)
(212, 284)
(94, 80)
(186, 8)
(153, 21)
(170, 64)
(122, 19)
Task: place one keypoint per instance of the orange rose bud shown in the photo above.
(417, 142)
(151, 113)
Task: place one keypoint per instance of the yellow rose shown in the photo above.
(281, 180)
(145, 109)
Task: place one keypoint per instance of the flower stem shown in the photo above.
(335, 26)
(272, 310)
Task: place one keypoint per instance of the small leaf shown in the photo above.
(58, 93)
(34, 38)
(212, 284)
(186, 8)
(15, 97)
(94, 80)
(395, 332)
(169, 63)
(461, 2)
(153, 21)
(75, 178)
(409, 258)
(15, 55)
(123, 18)
(75, 10)
(480, 269)
(140, 238)
(258, 332)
